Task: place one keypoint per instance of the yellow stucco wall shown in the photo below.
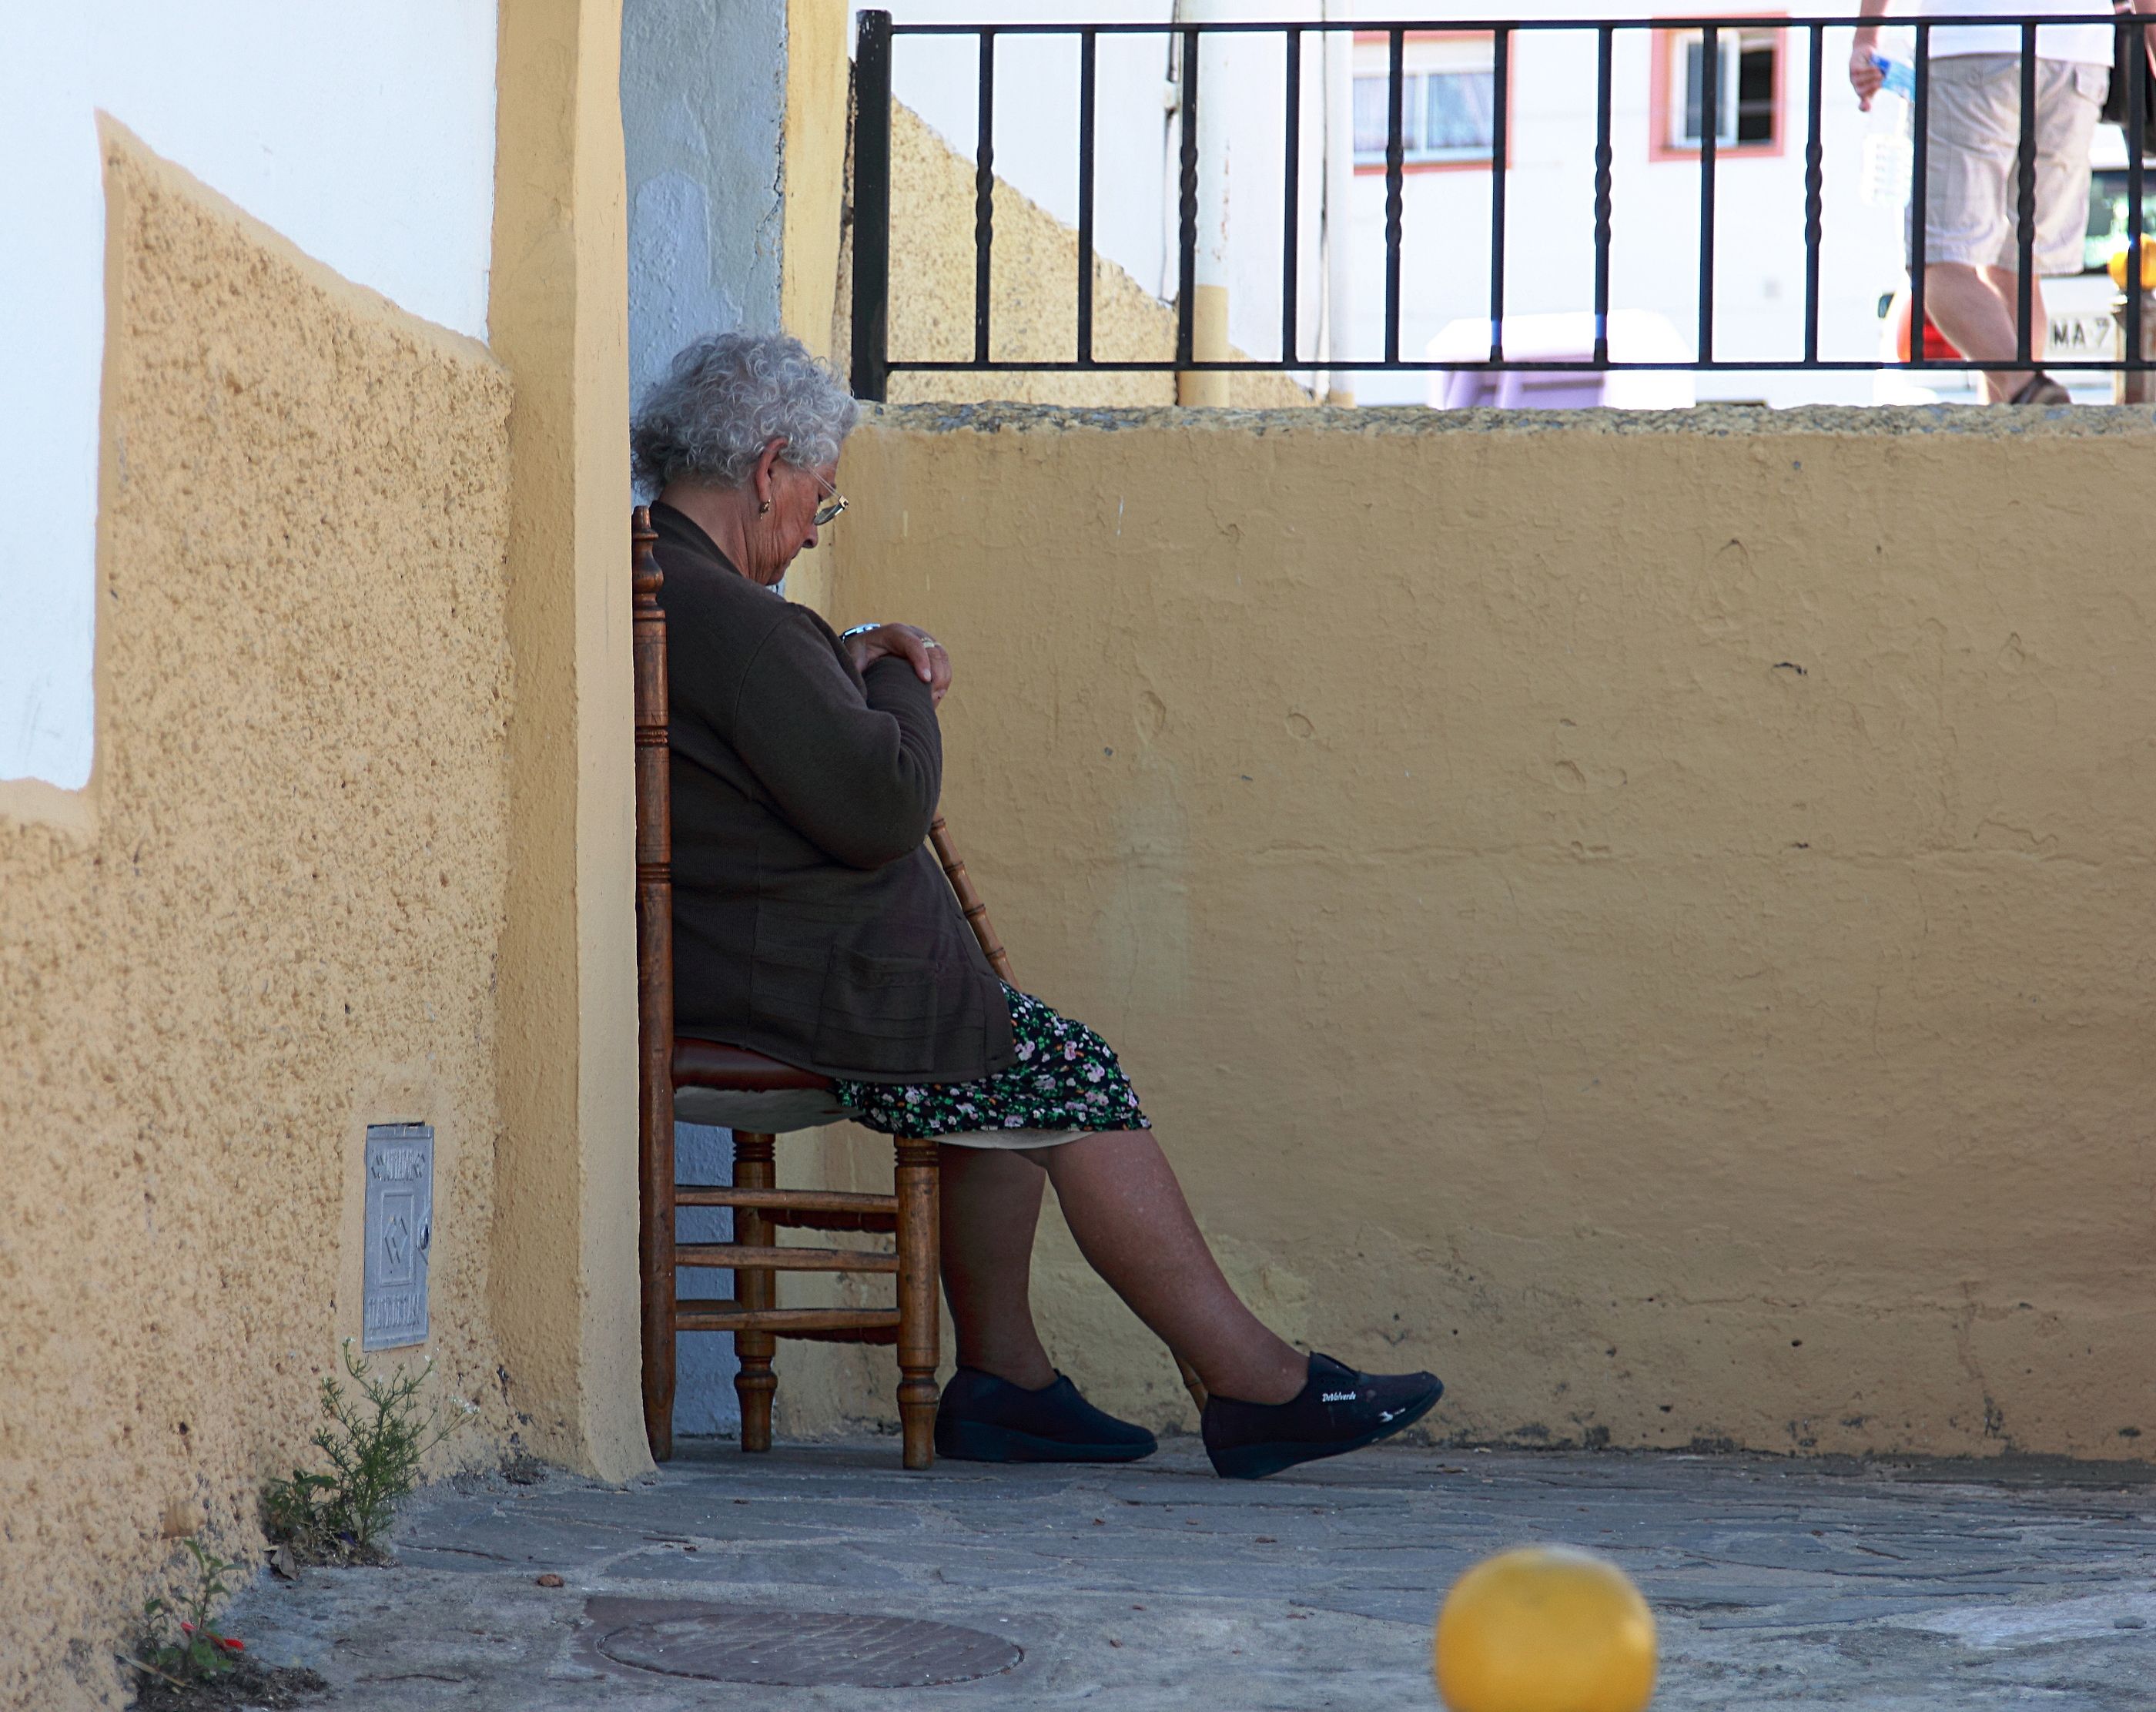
(1034, 279)
(1646, 916)
(273, 920)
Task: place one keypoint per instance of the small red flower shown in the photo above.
(232, 1643)
(186, 1628)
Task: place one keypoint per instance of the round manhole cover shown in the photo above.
(808, 1649)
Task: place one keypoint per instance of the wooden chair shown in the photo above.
(758, 1097)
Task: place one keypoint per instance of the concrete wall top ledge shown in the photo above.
(1727, 422)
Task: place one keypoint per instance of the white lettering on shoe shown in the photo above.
(1337, 1397)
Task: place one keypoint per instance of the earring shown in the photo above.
(765, 507)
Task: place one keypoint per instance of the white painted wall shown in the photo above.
(365, 134)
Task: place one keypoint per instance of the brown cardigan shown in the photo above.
(810, 921)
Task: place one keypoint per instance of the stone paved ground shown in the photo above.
(1777, 1584)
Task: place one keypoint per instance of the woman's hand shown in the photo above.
(906, 642)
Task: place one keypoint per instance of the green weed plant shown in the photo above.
(178, 1642)
(373, 1440)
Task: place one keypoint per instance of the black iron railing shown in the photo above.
(873, 362)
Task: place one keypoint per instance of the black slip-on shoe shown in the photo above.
(1339, 1410)
(984, 1419)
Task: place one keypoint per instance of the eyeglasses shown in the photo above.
(829, 511)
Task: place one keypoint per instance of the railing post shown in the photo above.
(1501, 120)
(1088, 65)
(1604, 60)
(1920, 167)
(1291, 197)
(1186, 272)
(872, 205)
(2134, 389)
(1396, 195)
(1710, 129)
(984, 198)
(1814, 181)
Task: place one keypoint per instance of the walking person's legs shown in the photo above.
(1972, 207)
(1979, 310)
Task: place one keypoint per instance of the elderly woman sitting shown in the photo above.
(812, 924)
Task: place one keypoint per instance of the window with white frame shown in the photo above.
(1747, 84)
(1448, 100)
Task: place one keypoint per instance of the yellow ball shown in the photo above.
(1545, 1629)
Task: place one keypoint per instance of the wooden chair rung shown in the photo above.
(748, 1258)
(885, 1224)
(884, 1334)
(846, 1335)
(716, 1314)
(785, 1201)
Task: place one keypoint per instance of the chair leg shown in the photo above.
(755, 1167)
(917, 1183)
(655, 1264)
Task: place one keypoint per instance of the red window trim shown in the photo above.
(1364, 169)
(1659, 96)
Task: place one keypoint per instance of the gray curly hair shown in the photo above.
(725, 398)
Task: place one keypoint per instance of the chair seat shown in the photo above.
(737, 1088)
(699, 1063)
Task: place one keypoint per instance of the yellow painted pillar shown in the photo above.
(815, 174)
(564, 1271)
(1208, 343)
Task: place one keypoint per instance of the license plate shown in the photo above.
(2088, 336)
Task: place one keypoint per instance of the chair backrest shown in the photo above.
(654, 968)
(969, 900)
(654, 806)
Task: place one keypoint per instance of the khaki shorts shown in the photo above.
(1972, 201)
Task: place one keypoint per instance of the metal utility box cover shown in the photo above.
(400, 1219)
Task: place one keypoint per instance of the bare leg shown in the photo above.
(991, 1204)
(2007, 283)
(1976, 308)
(1125, 1207)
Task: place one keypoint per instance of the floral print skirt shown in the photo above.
(1065, 1081)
